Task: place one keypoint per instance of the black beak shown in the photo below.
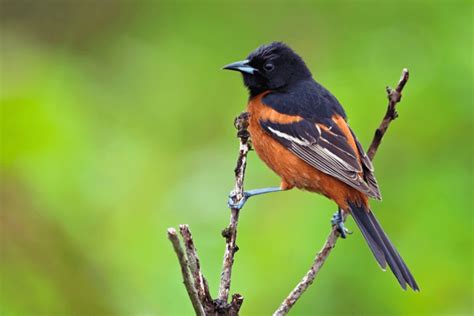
(242, 66)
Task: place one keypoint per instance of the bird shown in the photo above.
(301, 131)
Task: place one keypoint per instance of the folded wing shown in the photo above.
(327, 149)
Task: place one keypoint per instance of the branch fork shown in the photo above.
(194, 281)
(196, 284)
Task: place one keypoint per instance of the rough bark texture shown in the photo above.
(230, 233)
(185, 271)
(394, 96)
(195, 282)
(200, 282)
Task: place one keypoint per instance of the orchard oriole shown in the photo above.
(300, 130)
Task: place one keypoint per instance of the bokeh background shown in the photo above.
(116, 123)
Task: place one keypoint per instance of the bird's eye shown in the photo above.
(269, 67)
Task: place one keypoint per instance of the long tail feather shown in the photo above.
(382, 248)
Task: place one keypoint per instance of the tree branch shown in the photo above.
(185, 271)
(394, 96)
(200, 282)
(230, 233)
(194, 281)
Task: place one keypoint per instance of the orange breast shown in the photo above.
(293, 171)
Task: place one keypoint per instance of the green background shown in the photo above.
(117, 124)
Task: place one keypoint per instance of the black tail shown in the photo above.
(381, 246)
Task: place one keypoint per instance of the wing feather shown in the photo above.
(327, 150)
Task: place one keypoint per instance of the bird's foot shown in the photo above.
(235, 203)
(338, 221)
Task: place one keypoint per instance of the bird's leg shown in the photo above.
(338, 221)
(239, 204)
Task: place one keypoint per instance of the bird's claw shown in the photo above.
(338, 221)
(235, 203)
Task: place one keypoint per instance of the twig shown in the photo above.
(394, 96)
(310, 275)
(230, 233)
(200, 282)
(185, 271)
(235, 305)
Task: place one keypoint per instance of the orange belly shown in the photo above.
(294, 172)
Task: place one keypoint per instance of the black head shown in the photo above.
(271, 67)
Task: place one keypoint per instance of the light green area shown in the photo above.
(116, 123)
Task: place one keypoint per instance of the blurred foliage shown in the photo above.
(116, 123)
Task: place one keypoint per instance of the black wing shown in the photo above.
(368, 169)
(327, 150)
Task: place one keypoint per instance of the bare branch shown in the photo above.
(200, 281)
(394, 96)
(185, 271)
(195, 282)
(235, 305)
(230, 233)
(310, 275)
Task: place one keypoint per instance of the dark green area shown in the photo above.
(117, 124)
